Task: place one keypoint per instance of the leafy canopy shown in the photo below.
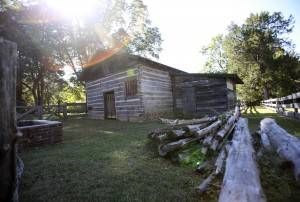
(261, 53)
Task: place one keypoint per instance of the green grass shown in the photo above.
(277, 179)
(115, 161)
(256, 114)
(105, 161)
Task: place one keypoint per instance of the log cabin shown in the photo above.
(132, 88)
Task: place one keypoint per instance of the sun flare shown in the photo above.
(73, 8)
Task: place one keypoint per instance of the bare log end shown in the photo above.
(161, 152)
(203, 187)
(297, 170)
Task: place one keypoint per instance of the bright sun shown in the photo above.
(73, 8)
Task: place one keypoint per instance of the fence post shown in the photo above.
(294, 97)
(65, 112)
(8, 160)
(277, 106)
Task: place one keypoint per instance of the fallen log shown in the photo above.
(163, 150)
(230, 122)
(286, 145)
(157, 132)
(187, 122)
(161, 138)
(241, 180)
(220, 161)
(214, 144)
(219, 164)
(265, 141)
(172, 135)
(166, 148)
(175, 134)
(195, 127)
(207, 141)
(225, 139)
(205, 183)
(204, 150)
(209, 129)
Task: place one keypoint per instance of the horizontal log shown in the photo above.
(157, 131)
(230, 122)
(241, 180)
(174, 122)
(209, 129)
(195, 127)
(165, 149)
(286, 145)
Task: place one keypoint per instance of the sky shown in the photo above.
(188, 25)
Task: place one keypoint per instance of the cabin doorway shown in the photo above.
(109, 105)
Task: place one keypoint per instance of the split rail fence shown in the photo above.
(62, 110)
(287, 106)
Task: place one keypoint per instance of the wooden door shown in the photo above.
(109, 105)
(188, 101)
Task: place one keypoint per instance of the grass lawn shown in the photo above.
(277, 180)
(104, 161)
(256, 114)
(115, 161)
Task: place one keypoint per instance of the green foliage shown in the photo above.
(70, 94)
(47, 42)
(191, 156)
(216, 56)
(256, 51)
(260, 53)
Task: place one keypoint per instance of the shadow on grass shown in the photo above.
(289, 124)
(278, 182)
(105, 161)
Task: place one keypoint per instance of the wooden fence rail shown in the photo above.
(64, 109)
(287, 106)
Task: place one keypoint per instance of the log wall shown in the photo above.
(39, 133)
(198, 96)
(156, 90)
(127, 109)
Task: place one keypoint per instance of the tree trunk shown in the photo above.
(241, 180)
(286, 145)
(266, 92)
(8, 65)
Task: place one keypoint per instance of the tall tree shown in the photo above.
(216, 60)
(260, 53)
(47, 41)
(258, 41)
